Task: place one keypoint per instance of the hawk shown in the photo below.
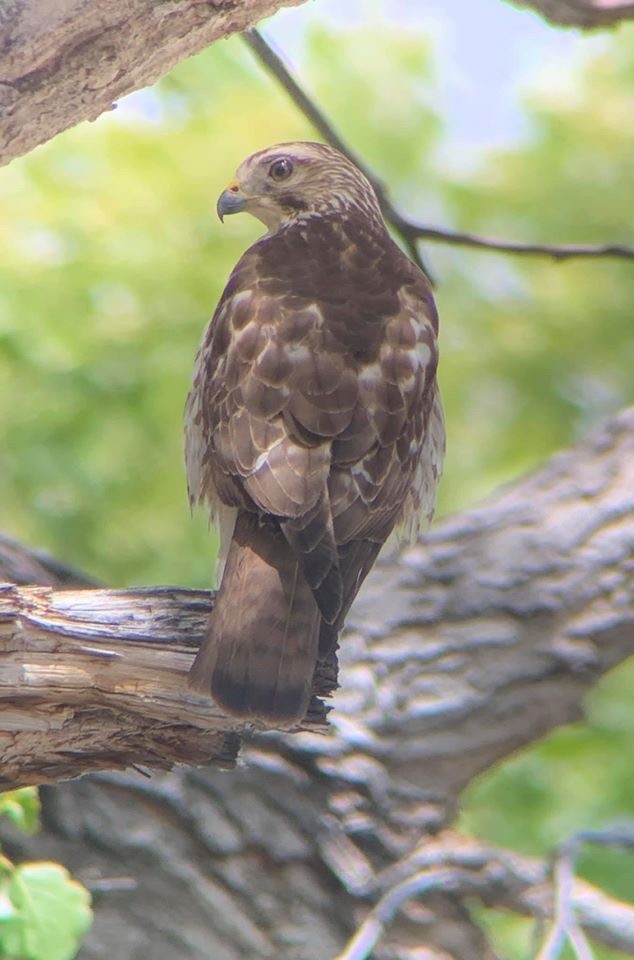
(313, 425)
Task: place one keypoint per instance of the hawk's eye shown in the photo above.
(281, 169)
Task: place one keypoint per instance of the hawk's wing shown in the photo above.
(284, 421)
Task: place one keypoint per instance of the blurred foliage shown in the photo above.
(113, 260)
(22, 807)
(44, 913)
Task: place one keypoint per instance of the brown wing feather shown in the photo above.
(312, 397)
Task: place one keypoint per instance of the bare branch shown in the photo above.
(409, 231)
(565, 926)
(564, 918)
(465, 869)
(579, 943)
(276, 66)
(554, 251)
(371, 930)
(620, 836)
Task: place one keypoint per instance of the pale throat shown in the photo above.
(275, 217)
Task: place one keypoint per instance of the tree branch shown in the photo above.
(65, 62)
(565, 916)
(589, 14)
(466, 869)
(409, 231)
(97, 679)
(477, 640)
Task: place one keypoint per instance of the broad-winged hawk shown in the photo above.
(313, 425)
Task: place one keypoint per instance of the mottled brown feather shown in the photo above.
(314, 410)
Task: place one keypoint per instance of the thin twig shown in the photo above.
(276, 66)
(565, 926)
(564, 876)
(555, 251)
(620, 836)
(361, 945)
(579, 943)
(410, 231)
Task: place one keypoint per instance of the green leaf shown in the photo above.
(22, 807)
(43, 913)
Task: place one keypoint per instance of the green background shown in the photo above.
(112, 262)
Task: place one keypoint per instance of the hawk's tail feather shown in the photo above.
(355, 562)
(258, 656)
(313, 541)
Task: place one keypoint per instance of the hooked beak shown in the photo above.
(231, 200)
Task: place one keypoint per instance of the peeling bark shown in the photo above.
(97, 679)
(474, 642)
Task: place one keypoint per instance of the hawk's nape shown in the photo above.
(313, 426)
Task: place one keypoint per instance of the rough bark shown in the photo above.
(588, 14)
(476, 641)
(64, 62)
(96, 679)
(69, 61)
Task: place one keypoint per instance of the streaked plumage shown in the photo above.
(314, 418)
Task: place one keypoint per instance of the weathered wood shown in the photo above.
(97, 679)
(477, 640)
(472, 643)
(65, 62)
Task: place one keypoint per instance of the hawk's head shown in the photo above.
(291, 180)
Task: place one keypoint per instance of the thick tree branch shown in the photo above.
(61, 63)
(408, 230)
(588, 14)
(65, 62)
(479, 639)
(247, 863)
(96, 679)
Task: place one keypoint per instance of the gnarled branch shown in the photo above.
(477, 640)
(481, 637)
(468, 869)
